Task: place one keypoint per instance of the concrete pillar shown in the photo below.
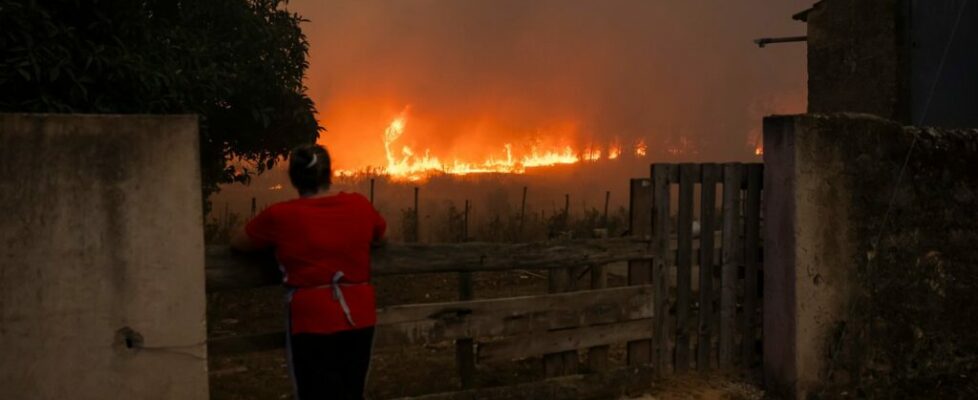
(808, 251)
(101, 258)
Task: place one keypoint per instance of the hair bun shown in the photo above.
(310, 168)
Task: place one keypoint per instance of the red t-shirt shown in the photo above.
(313, 239)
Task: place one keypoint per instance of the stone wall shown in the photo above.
(101, 258)
(855, 305)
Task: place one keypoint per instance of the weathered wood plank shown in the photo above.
(504, 316)
(417, 324)
(732, 246)
(684, 262)
(533, 344)
(660, 264)
(707, 312)
(639, 352)
(227, 270)
(752, 220)
(640, 210)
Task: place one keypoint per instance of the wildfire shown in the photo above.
(592, 154)
(614, 151)
(405, 163)
(641, 148)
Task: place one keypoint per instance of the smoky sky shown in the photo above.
(473, 74)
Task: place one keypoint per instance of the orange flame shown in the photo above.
(641, 148)
(592, 154)
(407, 164)
(614, 151)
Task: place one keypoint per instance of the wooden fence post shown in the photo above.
(371, 190)
(562, 363)
(597, 357)
(566, 218)
(752, 220)
(465, 222)
(604, 219)
(417, 216)
(707, 324)
(688, 174)
(660, 266)
(732, 249)
(639, 352)
(465, 347)
(522, 214)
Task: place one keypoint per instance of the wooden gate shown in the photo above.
(712, 236)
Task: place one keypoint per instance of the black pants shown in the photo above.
(332, 366)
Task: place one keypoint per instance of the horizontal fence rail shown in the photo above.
(614, 310)
(227, 270)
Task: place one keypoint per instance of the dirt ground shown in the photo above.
(400, 372)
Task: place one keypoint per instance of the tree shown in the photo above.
(239, 64)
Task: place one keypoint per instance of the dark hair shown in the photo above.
(309, 169)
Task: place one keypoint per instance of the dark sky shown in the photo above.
(474, 74)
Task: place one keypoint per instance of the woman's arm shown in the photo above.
(241, 242)
(258, 234)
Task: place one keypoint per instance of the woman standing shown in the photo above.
(322, 241)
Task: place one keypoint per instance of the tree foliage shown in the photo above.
(239, 64)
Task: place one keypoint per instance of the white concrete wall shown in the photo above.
(101, 230)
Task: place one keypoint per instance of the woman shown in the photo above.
(322, 241)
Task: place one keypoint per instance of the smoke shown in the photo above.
(472, 75)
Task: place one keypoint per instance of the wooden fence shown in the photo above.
(667, 322)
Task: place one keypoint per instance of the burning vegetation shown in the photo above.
(405, 163)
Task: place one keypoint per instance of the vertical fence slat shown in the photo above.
(752, 220)
(660, 262)
(684, 233)
(465, 348)
(704, 342)
(640, 272)
(562, 363)
(371, 190)
(731, 261)
(412, 233)
(597, 357)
